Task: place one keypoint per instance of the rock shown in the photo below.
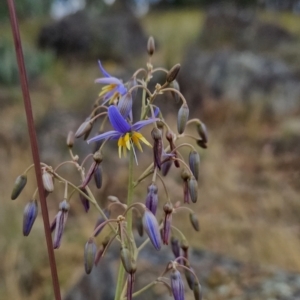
(115, 35)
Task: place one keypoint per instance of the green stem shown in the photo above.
(121, 275)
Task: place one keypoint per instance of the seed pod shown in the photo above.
(152, 229)
(175, 246)
(152, 198)
(197, 289)
(182, 118)
(202, 131)
(48, 182)
(151, 46)
(18, 186)
(157, 147)
(193, 189)
(70, 139)
(166, 165)
(98, 177)
(128, 260)
(177, 286)
(29, 216)
(172, 74)
(85, 202)
(125, 105)
(84, 128)
(194, 163)
(194, 221)
(90, 250)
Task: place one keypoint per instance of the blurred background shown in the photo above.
(240, 74)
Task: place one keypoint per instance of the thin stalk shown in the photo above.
(121, 275)
(33, 144)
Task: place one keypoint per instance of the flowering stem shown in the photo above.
(121, 275)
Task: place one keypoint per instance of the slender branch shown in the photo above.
(34, 144)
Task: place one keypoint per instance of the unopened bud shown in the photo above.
(152, 229)
(157, 147)
(48, 182)
(29, 216)
(152, 198)
(182, 118)
(151, 46)
(84, 128)
(18, 186)
(172, 74)
(168, 209)
(193, 189)
(194, 221)
(201, 144)
(185, 247)
(166, 165)
(202, 131)
(139, 226)
(194, 163)
(125, 105)
(175, 246)
(177, 286)
(128, 260)
(85, 202)
(90, 250)
(98, 157)
(60, 222)
(174, 84)
(70, 139)
(98, 177)
(197, 289)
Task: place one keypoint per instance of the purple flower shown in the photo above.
(126, 133)
(114, 86)
(30, 213)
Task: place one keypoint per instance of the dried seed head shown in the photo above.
(193, 189)
(177, 286)
(175, 246)
(70, 139)
(85, 202)
(197, 289)
(29, 216)
(194, 163)
(194, 221)
(151, 46)
(152, 198)
(201, 144)
(48, 182)
(128, 260)
(202, 131)
(90, 250)
(125, 105)
(182, 118)
(172, 74)
(83, 129)
(18, 186)
(98, 177)
(152, 229)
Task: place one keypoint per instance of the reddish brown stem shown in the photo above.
(33, 143)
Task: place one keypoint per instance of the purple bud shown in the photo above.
(170, 138)
(175, 246)
(61, 219)
(177, 286)
(157, 147)
(166, 165)
(152, 198)
(168, 209)
(182, 118)
(152, 229)
(90, 250)
(18, 186)
(84, 129)
(48, 182)
(89, 174)
(98, 177)
(85, 202)
(29, 216)
(125, 105)
(100, 221)
(193, 189)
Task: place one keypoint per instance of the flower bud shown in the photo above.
(98, 177)
(29, 216)
(185, 248)
(151, 46)
(48, 182)
(139, 226)
(18, 186)
(157, 147)
(168, 209)
(152, 198)
(100, 221)
(190, 278)
(170, 138)
(175, 246)
(125, 105)
(128, 260)
(152, 229)
(85, 202)
(194, 221)
(84, 128)
(70, 139)
(167, 164)
(90, 250)
(201, 144)
(172, 74)
(194, 163)
(202, 131)
(177, 286)
(174, 84)
(89, 174)
(98, 157)
(193, 189)
(182, 118)
(197, 289)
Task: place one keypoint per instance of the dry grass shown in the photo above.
(249, 187)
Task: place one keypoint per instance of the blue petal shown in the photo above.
(139, 125)
(103, 70)
(117, 121)
(109, 134)
(122, 89)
